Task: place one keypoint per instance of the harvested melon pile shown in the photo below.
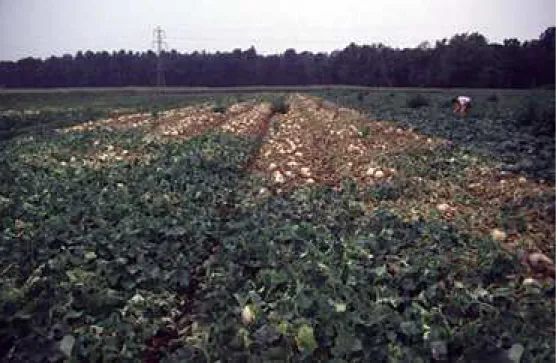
(315, 142)
(242, 119)
(119, 123)
(246, 119)
(182, 122)
(188, 122)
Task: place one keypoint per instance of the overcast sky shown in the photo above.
(41, 28)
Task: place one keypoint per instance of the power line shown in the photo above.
(159, 35)
(257, 40)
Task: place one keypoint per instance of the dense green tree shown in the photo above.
(465, 60)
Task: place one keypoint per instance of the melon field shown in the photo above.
(324, 226)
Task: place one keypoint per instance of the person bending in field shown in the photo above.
(461, 105)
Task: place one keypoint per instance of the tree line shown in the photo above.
(465, 60)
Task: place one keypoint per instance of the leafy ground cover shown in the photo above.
(168, 237)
